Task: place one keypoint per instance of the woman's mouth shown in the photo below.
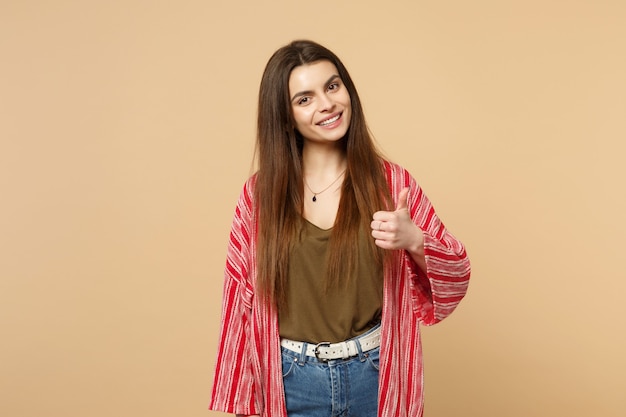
(329, 121)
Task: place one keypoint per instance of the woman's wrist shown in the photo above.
(416, 250)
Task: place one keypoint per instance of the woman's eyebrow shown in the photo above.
(304, 93)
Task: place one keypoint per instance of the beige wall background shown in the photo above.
(126, 132)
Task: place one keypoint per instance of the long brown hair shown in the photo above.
(279, 188)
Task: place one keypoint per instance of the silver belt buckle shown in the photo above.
(317, 350)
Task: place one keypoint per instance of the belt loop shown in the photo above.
(302, 359)
(362, 356)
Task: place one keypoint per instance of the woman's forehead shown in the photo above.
(309, 76)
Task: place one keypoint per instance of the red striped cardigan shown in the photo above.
(248, 377)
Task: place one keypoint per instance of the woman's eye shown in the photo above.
(303, 100)
(333, 86)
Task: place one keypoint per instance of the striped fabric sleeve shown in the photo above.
(437, 292)
(233, 384)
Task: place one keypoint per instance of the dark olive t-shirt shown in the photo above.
(315, 315)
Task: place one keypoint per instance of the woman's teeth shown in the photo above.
(329, 121)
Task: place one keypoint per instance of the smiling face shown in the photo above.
(320, 103)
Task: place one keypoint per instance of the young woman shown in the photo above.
(335, 258)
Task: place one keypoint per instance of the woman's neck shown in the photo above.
(324, 170)
(321, 160)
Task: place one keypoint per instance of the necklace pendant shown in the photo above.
(330, 185)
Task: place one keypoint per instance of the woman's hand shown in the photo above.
(395, 230)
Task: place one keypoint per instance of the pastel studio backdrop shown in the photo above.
(126, 132)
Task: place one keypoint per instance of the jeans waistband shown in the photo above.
(325, 351)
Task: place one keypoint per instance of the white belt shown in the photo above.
(326, 351)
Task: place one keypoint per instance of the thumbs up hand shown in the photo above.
(395, 230)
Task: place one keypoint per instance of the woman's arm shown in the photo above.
(234, 388)
(436, 262)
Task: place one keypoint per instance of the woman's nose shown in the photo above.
(325, 103)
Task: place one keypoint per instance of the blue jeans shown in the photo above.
(336, 388)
